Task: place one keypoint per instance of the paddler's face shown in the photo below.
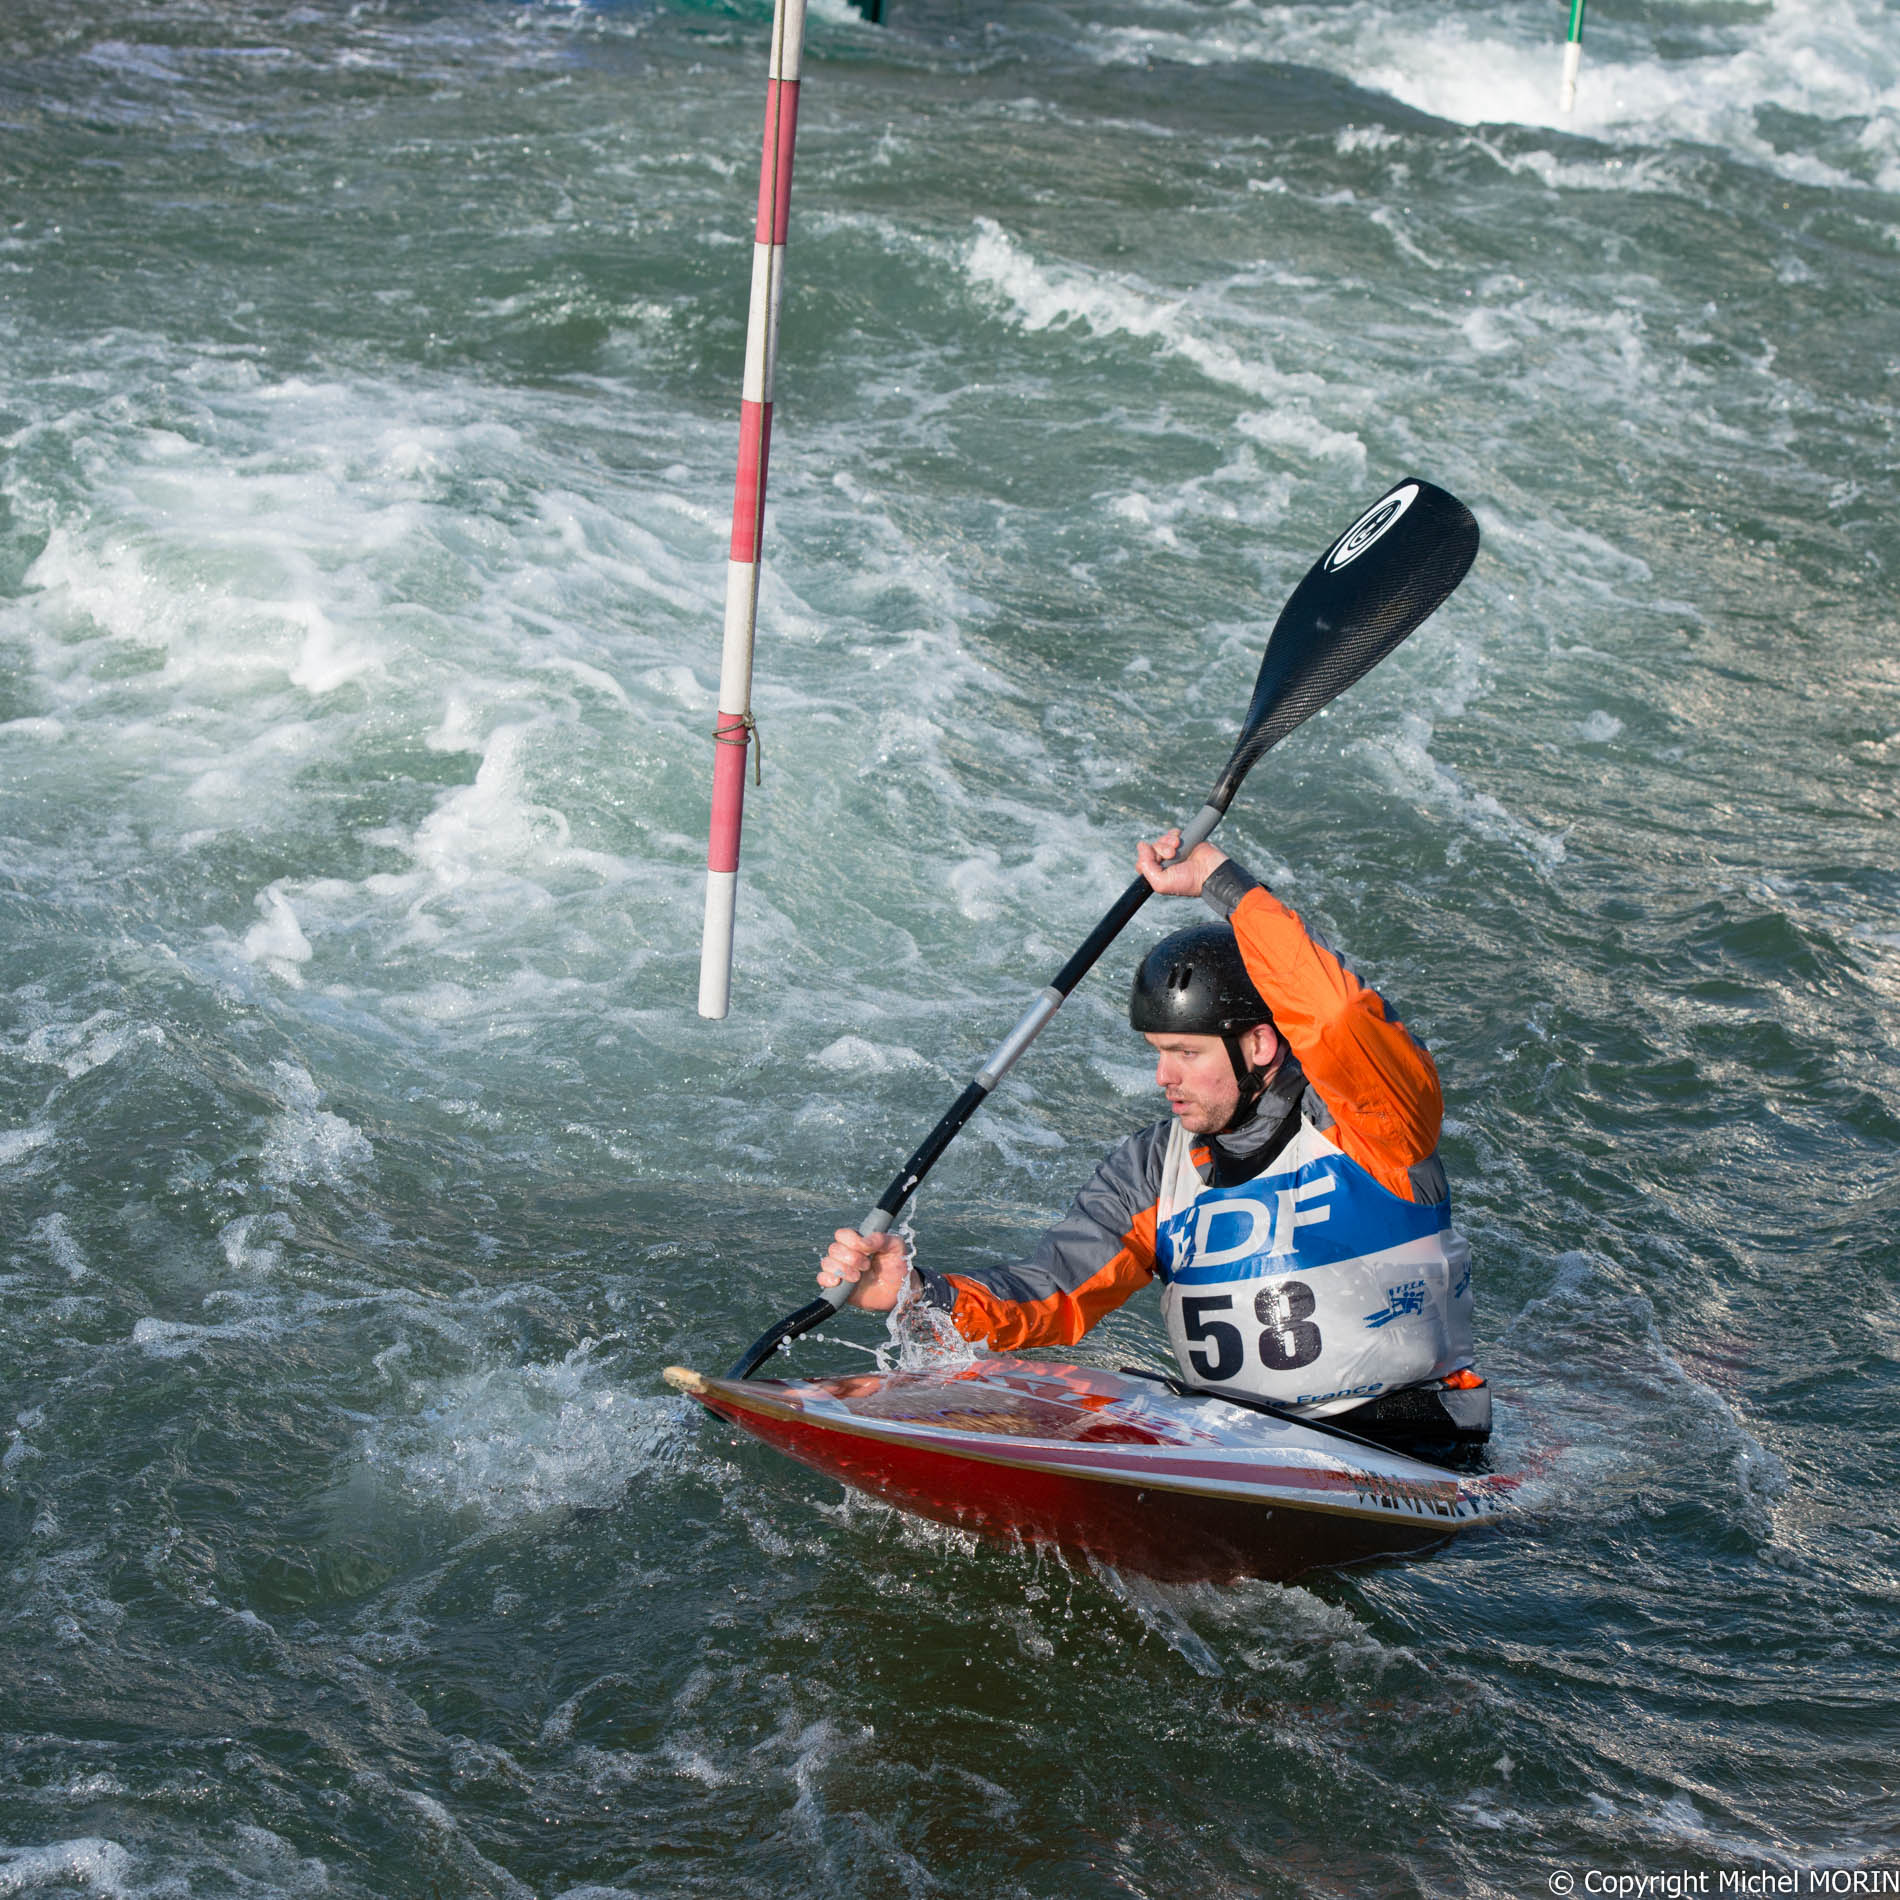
(1197, 1077)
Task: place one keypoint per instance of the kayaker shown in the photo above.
(1292, 1203)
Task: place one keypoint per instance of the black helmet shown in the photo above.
(1195, 984)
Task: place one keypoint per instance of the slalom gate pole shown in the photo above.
(1573, 56)
(734, 731)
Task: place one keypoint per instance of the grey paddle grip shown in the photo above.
(1034, 1019)
(1199, 831)
(874, 1223)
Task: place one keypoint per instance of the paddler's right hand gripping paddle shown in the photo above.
(1377, 583)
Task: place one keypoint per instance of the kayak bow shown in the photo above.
(1181, 1487)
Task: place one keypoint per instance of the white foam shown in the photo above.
(278, 942)
(512, 1441)
(270, 1857)
(60, 1590)
(264, 560)
(243, 1250)
(1239, 492)
(1480, 1809)
(1132, 1080)
(1289, 426)
(488, 848)
(130, 588)
(54, 1232)
(92, 1864)
(1059, 876)
(17, 1145)
(1046, 296)
(307, 1145)
(681, 685)
(173, 1339)
(1403, 760)
(79, 1048)
(854, 1054)
(460, 730)
(1829, 60)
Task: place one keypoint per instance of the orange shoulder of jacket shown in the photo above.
(1367, 1067)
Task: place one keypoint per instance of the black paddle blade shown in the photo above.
(1377, 583)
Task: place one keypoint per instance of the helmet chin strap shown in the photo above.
(1253, 1084)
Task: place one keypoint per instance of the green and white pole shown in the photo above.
(1573, 56)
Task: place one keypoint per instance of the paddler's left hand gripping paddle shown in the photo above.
(1377, 583)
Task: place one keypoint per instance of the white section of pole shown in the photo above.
(761, 335)
(1573, 60)
(742, 614)
(715, 944)
(788, 38)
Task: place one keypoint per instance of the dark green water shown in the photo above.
(367, 424)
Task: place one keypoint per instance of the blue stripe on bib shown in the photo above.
(1329, 1209)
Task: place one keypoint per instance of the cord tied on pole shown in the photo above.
(742, 729)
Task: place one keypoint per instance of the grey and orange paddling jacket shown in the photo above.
(1307, 1256)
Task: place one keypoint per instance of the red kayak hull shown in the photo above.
(1183, 1489)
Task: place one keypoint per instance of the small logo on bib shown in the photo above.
(1399, 1300)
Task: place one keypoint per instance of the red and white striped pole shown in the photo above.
(734, 733)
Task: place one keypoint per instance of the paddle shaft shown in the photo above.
(1002, 1059)
(1035, 1019)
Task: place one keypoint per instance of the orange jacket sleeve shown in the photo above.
(1365, 1065)
(1062, 1315)
(1098, 1254)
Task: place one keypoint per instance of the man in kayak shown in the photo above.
(1292, 1203)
